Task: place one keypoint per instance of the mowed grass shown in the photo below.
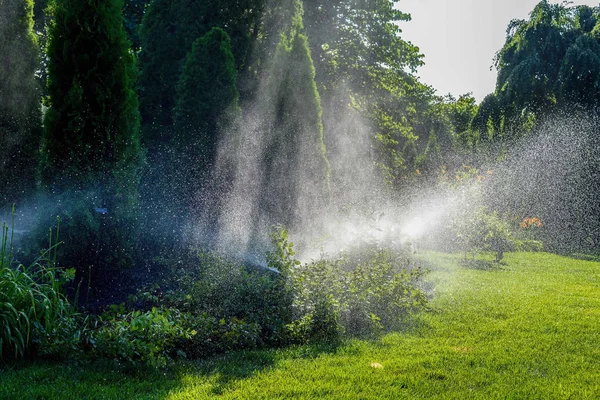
(527, 329)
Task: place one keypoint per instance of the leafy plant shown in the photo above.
(282, 257)
(228, 305)
(34, 311)
(140, 338)
(361, 293)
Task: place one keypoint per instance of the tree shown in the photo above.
(91, 151)
(168, 30)
(295, 166)
(431, 159)
(487, 121)
(578, 80)
(20, 116)
(133, 13)
(206, 110)
(363, 63)
(548, 62)
(461, 112)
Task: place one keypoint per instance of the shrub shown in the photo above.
(487, 231)
(483, 231)
(215, 336)
(361, 293)
(140, 338)
(224, 289)
(362, 298)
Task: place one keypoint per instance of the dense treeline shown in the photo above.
(128, 176)
(542, 119)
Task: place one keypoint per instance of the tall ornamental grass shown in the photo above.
(34, 312)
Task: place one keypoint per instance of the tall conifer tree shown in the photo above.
(206, 111)
(91, 141)
(296, 167)
(20, 117)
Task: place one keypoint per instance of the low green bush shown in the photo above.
(356, 295)
(134, 338)
(361, 293)
(224, 289)
(215, 305)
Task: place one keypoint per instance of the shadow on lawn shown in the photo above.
(103, 380)
(224, 371)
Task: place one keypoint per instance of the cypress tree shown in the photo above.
(295, 164)
(168, 30)
(207, 96)
(20, 117)
(91, 151)
(206, 110)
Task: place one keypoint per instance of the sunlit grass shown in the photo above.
(528, 328)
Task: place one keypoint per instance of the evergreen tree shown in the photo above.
(91, 144)
(20, 117)
(168, 30)
(207, 95)
(206, 110)
(295, 165)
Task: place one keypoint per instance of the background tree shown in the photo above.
(363, 63)
(91, 151)
(206, 109)
(168, 30)
(461, 112)
(295, 163)
(133, 13)
(578, 81)
(20, 117)
(487, 122)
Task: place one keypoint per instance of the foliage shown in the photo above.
(486, 123)
(431, 159)
(218, 288)
(91, 151)
(495, 234)
(176, 46)
(20, 114)
(487, 231)
(550, 61)
(133, 13)
(205, 114)
(343, 32)
(35, 315)
(163, 55)
(139, 338)
(215, 336)
(207, 95)
(364, 66)
(294, 146)
(282, 257)
(358, 294)
(578, 80)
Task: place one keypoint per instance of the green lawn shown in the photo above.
(528, 329)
